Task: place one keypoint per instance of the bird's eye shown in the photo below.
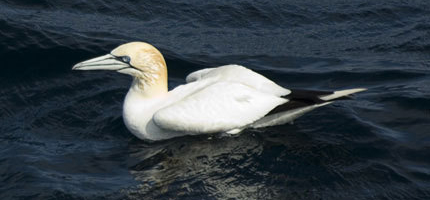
(126, 59)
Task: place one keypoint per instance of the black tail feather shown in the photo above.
(299, 98)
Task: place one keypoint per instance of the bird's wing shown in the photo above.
(197, 75)
(219, 107)
(239, 74)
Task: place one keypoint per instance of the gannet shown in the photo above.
(224, 99)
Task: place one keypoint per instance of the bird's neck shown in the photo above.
(139, 107)
(149, 89)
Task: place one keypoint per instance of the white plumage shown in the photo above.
(218, 107)
(224, 99)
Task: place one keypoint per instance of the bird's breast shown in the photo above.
(137, 113)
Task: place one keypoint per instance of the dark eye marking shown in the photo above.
(125, 59)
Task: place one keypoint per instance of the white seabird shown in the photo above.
(227, 99)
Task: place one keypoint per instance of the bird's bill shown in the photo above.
(106, 62)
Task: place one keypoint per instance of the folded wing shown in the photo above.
(239, 74)
(220, 107)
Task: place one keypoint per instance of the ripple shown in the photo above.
(62, 132)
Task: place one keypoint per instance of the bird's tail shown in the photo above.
(341, 93)
(303, 98)
(301, 102)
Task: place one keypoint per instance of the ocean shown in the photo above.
(62, 135)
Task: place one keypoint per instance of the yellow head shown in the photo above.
(138, 59)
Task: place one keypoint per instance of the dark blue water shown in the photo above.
(62, 135)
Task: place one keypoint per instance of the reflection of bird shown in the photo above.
(224, 99)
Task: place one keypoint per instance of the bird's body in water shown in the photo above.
(227, 99)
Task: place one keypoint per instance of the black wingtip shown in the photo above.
(299, 98)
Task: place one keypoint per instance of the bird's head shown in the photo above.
(138, 59)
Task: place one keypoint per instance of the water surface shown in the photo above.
(62, 135)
